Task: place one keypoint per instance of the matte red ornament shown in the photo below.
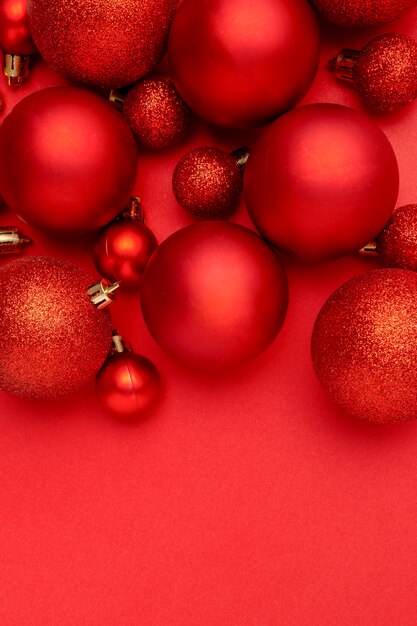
(15, 37)
(321, 182)
(128, 385)
(397, 244)
(241, 63)
(107, 43)
(364, 346)
(207, 182)
(214, 295)
(362, 13)
(68, 160)
(53, 339)
(156, 113)
(384, 72)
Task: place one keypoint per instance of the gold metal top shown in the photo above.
(12, 240)
(116, 99)
(241, 156)
(371, 249)
(133, 210)
(343, 65)
(119, 344)
(102, 293)
(16, 69)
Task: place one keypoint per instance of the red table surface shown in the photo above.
(244, 501)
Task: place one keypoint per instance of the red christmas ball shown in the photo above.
(362, 13)
(364, 346)
(397, 244)
(249, 61)
(128, 385)
(68, 160)
(54, 340)
(214, 295)
(122, 251)
(15, 37)
(156, 113)
(321, 182)
(107, 43)
(207, 182)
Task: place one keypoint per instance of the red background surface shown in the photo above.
(244, 501)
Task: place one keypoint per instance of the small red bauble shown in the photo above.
(156, 113)
(68, 160)
(397, 244)
(214, 295)
(108, 43)
(128, 385)
(207, 182)
(54, 340)
(15, 37)
(364, 346)
(322, 181)
(241, 63)
(362, 13)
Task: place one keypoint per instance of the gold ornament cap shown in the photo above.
(12, 241)
(102, 293)
(16, 69)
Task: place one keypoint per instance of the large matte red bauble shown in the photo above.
(241, 63)
(364, 346)
(107, 43)
(53, 339)
(361, 13)
(128, 385)
(321, 182)
(15, 37)
(68, 160)
(214, 295)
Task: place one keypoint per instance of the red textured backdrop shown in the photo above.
(246, 501)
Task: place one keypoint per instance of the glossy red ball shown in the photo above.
(362, 13)
(364, 346)
(68, 160)
(128, 385)
(53, 339)
(15, 37)
(321, 182)
(122, 251)
(241, 63)
(214, 295)
(107, 43)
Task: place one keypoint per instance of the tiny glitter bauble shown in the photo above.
(128, 385)
(361, 13)
(207, 182)
(15, 37)
(385, 73)
(156, 113)
(397, 244)
(53, 339)
(107, 43)
(364, 346)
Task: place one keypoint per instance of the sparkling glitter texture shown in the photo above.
(207, 183)
(53, 339)
(385, 74)
(360, 13)
(108, 43)
(397, 244)
(364, 346)
(156, 113)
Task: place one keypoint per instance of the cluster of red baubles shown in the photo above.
(320, 182)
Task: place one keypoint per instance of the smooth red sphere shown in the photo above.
(128, 385)
(364, 346)
(15, 37)
(242, 63)
(214, 295)
(122, 251)
(321, 182)
(68, 160)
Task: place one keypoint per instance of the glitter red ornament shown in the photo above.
(207, 182)
(364, 346)
(384, 73)
(241, 63)
(156, 113)
(107, 43)
(15, 40)
(128, 385)
(68, 160)
(362, 13)
(214, 295)
(322, 181)
(54, 340)
(124, 247)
